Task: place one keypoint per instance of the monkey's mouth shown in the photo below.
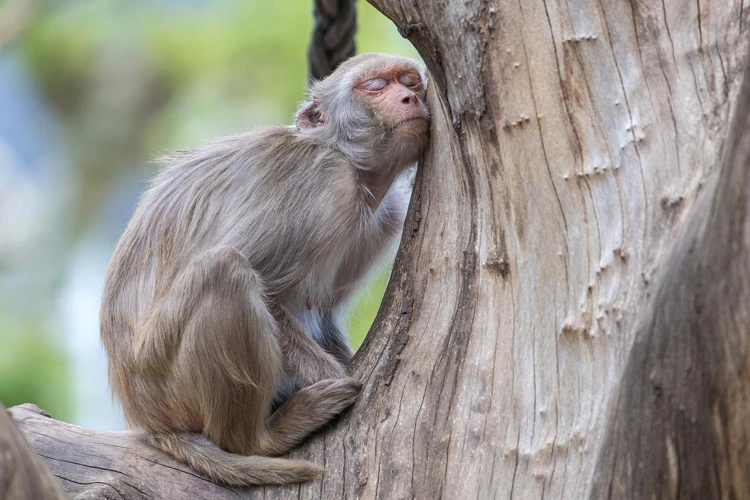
(407, 120)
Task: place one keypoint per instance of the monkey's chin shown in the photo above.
(407, 139)
(410, 150)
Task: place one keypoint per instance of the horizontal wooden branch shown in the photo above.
(97, 464)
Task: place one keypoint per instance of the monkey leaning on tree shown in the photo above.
(219, 313)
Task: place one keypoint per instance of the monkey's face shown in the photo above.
(395, 95)
(373, 102)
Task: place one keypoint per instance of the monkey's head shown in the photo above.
(372, 108)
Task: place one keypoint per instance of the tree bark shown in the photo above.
(568, 313)
(685, 392)
(118, 465)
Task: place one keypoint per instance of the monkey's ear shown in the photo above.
(310, 116)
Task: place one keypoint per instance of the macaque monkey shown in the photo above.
(219, 314)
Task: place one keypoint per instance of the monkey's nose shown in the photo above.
(407, 97)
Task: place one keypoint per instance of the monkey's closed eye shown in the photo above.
(375, 84)
(410, 80)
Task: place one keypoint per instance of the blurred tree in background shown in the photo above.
(89, 93)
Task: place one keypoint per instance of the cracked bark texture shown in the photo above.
(568, 313)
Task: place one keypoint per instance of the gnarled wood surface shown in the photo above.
(94, 464)
(568, 315)
(681, 421)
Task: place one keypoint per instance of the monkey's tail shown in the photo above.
(205, 457)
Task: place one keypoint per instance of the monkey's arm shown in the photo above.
(376, 239)
(303, 358)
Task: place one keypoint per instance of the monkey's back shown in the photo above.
(273, 196)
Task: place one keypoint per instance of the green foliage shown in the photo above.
(33, 370)
(240, 63)
(366, 306)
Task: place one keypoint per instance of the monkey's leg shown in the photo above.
(217, 338)
(230, 360)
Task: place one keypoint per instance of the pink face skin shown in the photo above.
(396, 95)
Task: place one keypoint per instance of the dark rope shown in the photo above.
(332, 40)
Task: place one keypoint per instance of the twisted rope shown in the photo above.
(332, 40)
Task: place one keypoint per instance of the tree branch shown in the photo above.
(97, 464)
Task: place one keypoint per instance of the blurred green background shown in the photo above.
(90, 90)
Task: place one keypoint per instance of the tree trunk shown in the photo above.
(569, 313)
